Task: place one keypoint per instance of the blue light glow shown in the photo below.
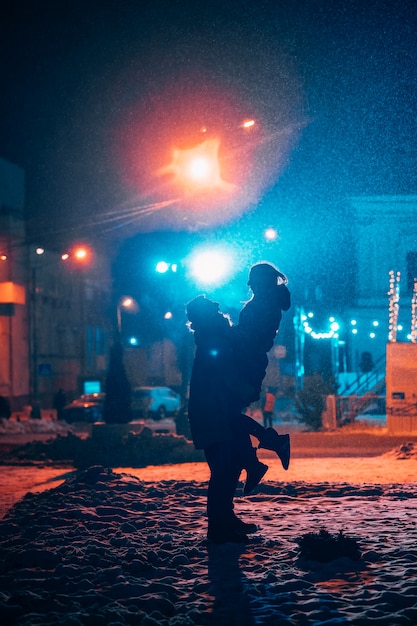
(162, 267)
(270, 234)
(211, 266)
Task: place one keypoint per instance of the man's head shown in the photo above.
(201, 308)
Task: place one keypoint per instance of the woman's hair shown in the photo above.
(265, 274)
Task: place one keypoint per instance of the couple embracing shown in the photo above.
(229, 367)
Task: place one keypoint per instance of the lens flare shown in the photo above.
(198, 168)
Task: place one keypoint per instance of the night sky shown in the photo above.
(95, 96)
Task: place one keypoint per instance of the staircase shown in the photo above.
(367, 383)
(365, 392)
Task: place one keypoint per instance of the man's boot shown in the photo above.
(244, 527)
(225, 531)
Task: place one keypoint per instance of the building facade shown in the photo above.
(385, 241)
(14, 328)
(55, 309)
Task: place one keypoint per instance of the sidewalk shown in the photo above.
(360, 440)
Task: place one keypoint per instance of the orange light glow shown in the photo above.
(3, 257)
(80, 254)
(128, 304)
(197, 168)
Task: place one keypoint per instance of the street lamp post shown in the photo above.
(298, 320)
(34, 323)
(125, 303)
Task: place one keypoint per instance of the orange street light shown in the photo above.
(128, 304)
(79, 255)
(197, 168)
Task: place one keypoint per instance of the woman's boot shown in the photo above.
(280, 444)
(254, 474)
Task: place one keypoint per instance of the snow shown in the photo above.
(120, 545)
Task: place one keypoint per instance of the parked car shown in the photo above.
(86, 408)
(165, 426)
(155, 402)
(152, 404)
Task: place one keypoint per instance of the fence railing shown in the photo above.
(366, 382)
(348, 407)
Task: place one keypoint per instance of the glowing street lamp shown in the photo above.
(126, 304)
(271, 234)
(211, 266)
(162, 267)
(197, 169)
(248, 124)
(79, 255)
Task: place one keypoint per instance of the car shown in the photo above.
(87, 408)
(155, 402)
(165, 426)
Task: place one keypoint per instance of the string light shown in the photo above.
(334, 327)
(413, 336)
(394, 298)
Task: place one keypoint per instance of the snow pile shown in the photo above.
(32, 426)
(404, 451)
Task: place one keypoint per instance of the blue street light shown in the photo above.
(212, 266)
(162, 267)
(270, 234)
